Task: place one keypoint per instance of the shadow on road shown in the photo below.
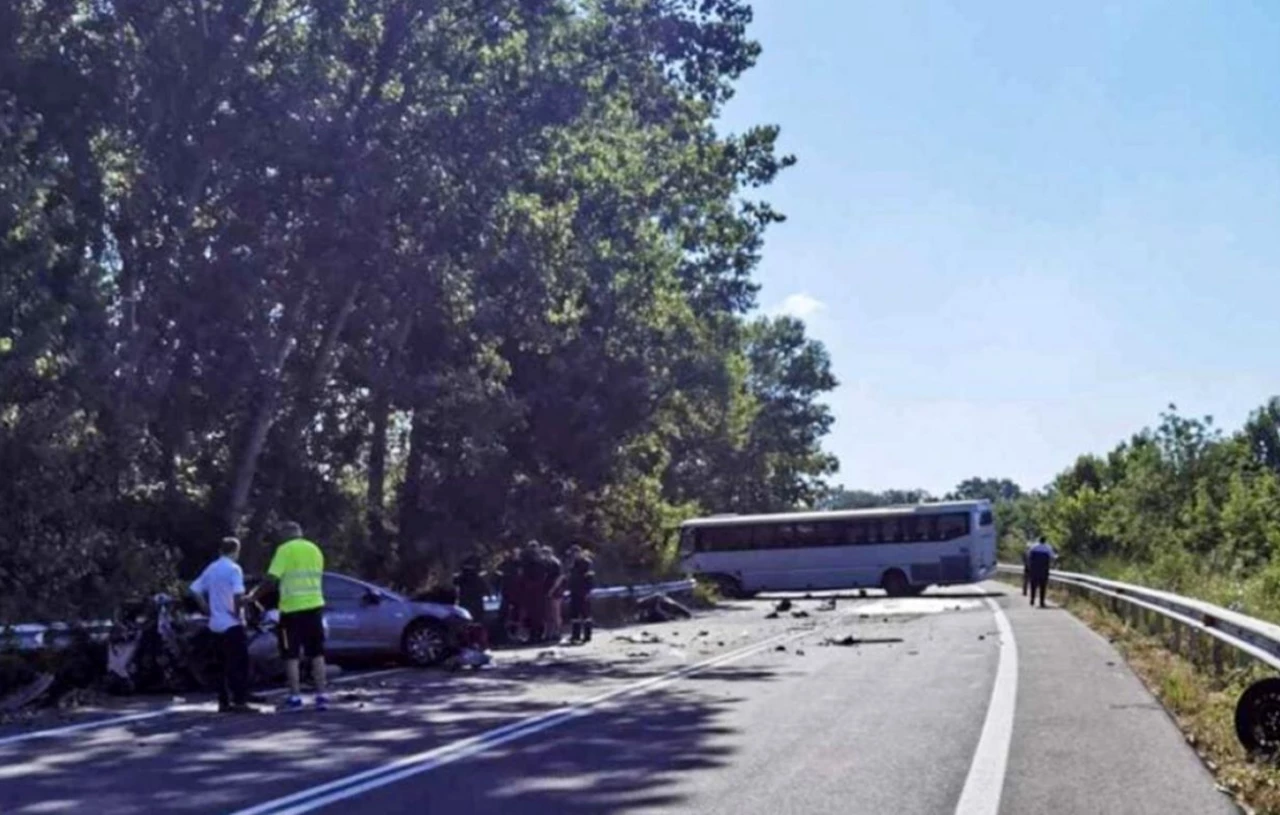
(209, 763)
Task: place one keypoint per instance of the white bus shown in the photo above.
(900, 549)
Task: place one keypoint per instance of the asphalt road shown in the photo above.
(942, 705)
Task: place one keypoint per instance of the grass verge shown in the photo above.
(1199, 697)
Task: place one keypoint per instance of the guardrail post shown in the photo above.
(1217, 656)
(1175, 639)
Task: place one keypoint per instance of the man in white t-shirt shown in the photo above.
(219, 590)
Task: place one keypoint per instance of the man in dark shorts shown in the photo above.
(298, 568)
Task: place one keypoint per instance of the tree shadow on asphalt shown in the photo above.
(195, 762)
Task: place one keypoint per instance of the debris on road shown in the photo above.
(783, 605)
(828, 605)
(659, 608)
(799, 652)
(772, 615)
(799, 614)
(851, 640)
(780, 648)
(643, 638)
(27, 694)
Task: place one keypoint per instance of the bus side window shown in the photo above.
(784, 537)
(986, 518)
(890, 531)
(830, 533)
(763, 536)
(953, 525)
(913, 530)
(874, 528)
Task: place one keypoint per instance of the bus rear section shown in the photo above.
(983, 553)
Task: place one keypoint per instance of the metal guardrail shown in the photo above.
(493, 602)
(38, 636)
(1257, 638)
(1257, 718)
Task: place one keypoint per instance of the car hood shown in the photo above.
(439, 611)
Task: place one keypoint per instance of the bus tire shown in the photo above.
(729, 587)
(895, 583)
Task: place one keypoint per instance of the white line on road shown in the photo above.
(408, 766)
(129, 718)
(985, 782)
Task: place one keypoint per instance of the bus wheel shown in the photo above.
(895, 583)
(729, 587)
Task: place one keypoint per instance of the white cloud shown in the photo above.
(800, 305)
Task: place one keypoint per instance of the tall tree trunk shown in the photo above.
(414, 554)
(260, 422)
(376, 490)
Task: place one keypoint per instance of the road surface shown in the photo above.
(961, 701)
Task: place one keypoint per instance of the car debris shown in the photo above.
(659, 608)
(783, 605)
(772, 615)
(28, 694)
(850, 640)
(828, 605)
(643, 638)
(800, 614)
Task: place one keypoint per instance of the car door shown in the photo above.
(346, 613)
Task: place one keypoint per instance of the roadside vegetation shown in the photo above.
(429, 276)
(1184, 507)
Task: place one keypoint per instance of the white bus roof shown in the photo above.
(837, 514)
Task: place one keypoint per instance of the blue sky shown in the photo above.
(1022, 229)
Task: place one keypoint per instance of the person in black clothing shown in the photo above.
(509, 586)
(582, 579)
(472, 588)
(1040, 558)
(533, 591)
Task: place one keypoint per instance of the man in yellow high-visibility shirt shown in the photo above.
(298, 569)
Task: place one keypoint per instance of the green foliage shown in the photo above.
(1182, 506)
(430, 277)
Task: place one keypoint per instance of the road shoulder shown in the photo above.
(1088, 737)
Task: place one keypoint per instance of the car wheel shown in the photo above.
(895, 583)
(424, 644)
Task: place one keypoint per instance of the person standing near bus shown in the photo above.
(1040, 558)
(298, 568)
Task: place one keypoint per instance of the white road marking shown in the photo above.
(129, 718)
(985, 783)
(426, 761)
